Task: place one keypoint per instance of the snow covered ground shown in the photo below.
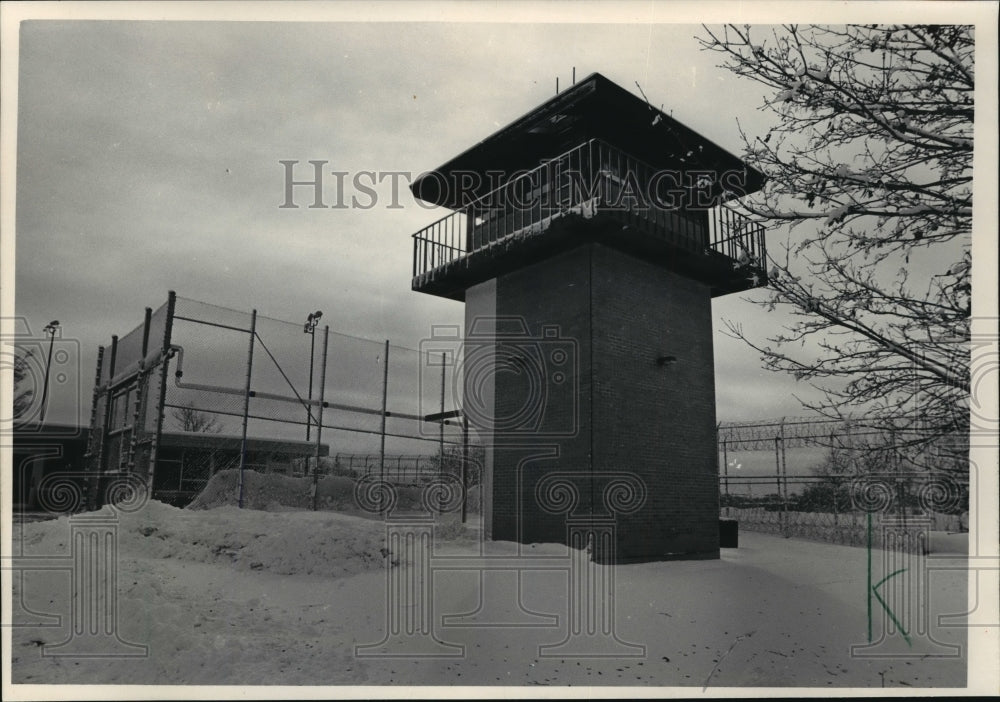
(250, 597)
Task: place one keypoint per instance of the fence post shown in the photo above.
(138, 405)
(161, 399)
(97, 498)
(142, 379)
(441, 421)
(90, 457)
(784, 475)
(725, 471)
(319, 418)
(777, 476)
(246, 406)
(385, 394)
(311, 329)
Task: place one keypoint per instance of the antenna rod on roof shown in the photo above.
(557, 85)
(643, 95)
(574, 75)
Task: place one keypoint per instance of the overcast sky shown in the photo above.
(148, 160)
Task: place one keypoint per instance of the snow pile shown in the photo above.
(316, 543)
(773, 612)
(274, 492)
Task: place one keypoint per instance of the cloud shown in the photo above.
(148, 159)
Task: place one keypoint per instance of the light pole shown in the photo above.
(310, 328)
(49, 329)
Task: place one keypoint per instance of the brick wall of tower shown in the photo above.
(480, 310)
(615, 410)
(552, 294)
(657, 421)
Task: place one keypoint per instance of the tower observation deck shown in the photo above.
(593, 163)
(587, 240)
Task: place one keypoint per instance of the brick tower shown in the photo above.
(587, 241)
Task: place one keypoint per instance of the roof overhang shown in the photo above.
(594, 108)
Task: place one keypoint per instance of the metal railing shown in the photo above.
(590, 179)
(736, 237)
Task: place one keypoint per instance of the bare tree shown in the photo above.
(869, 167)
(193, 420)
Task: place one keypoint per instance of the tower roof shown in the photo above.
(593, 108)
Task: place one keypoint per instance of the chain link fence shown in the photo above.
(836, 509)
(861, 478)
(198, 389)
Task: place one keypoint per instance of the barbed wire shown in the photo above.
(799, 432)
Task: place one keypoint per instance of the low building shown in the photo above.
(185, 462)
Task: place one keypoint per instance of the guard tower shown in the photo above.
(587, 241)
